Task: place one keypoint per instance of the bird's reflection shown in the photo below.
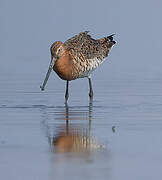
(71, 136)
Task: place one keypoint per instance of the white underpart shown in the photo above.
(93, 64)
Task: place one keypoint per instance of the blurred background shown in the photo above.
(28, 28)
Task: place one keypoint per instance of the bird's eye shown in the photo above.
(58, 50)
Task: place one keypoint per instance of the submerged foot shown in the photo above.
(66, 97)
(91, 94)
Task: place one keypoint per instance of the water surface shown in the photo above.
(117, 136)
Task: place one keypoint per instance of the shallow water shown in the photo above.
(117, 136)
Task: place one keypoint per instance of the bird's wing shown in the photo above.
(87, 47)
(81, 43)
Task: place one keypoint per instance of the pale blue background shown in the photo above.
(28, 28)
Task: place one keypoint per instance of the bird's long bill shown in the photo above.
(53, 60)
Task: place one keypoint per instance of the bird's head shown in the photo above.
(57, 51)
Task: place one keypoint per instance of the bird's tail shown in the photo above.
(111, 38)
(108, 41)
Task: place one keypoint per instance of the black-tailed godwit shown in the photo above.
(78, 57)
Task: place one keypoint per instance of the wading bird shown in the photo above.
(77, 58)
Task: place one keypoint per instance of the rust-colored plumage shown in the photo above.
(78, 57)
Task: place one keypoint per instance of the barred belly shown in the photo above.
(87, 67)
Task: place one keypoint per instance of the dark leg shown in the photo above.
(67, 91)
(90, 114)
(90, 88)
(67, 119)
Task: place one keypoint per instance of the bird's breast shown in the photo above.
(64, 68)
(71, 67)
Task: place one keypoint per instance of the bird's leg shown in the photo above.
(90, 88)
(67, 91)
